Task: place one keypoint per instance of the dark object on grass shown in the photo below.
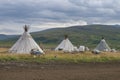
(96, 52)
(35, 52)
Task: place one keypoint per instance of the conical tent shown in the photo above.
(25, 44)
(65, 45)
(103, 46)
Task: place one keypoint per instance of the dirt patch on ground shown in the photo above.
(82, 71)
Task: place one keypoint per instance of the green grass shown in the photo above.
(60, 57)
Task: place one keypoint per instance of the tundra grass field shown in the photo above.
(60, 57)
(59, 66)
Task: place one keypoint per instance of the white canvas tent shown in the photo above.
(65, 46)
(82, 48)
(103, 46)
(76, 49)
(87, 49)
(25, 44)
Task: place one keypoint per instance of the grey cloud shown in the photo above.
(38, 12)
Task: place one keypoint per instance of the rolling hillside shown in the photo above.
(7, 40)
(88, 35)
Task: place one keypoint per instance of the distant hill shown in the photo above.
(88, 35)
(7, 40)
(4, 37)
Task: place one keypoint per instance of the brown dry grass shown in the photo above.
(3, 50)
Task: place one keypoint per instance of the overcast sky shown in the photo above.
(43, 14)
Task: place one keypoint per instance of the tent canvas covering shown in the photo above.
(25, 44)
(82, 48)
(65, 45)
(103, 46)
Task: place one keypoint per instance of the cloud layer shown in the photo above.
(42, 14)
